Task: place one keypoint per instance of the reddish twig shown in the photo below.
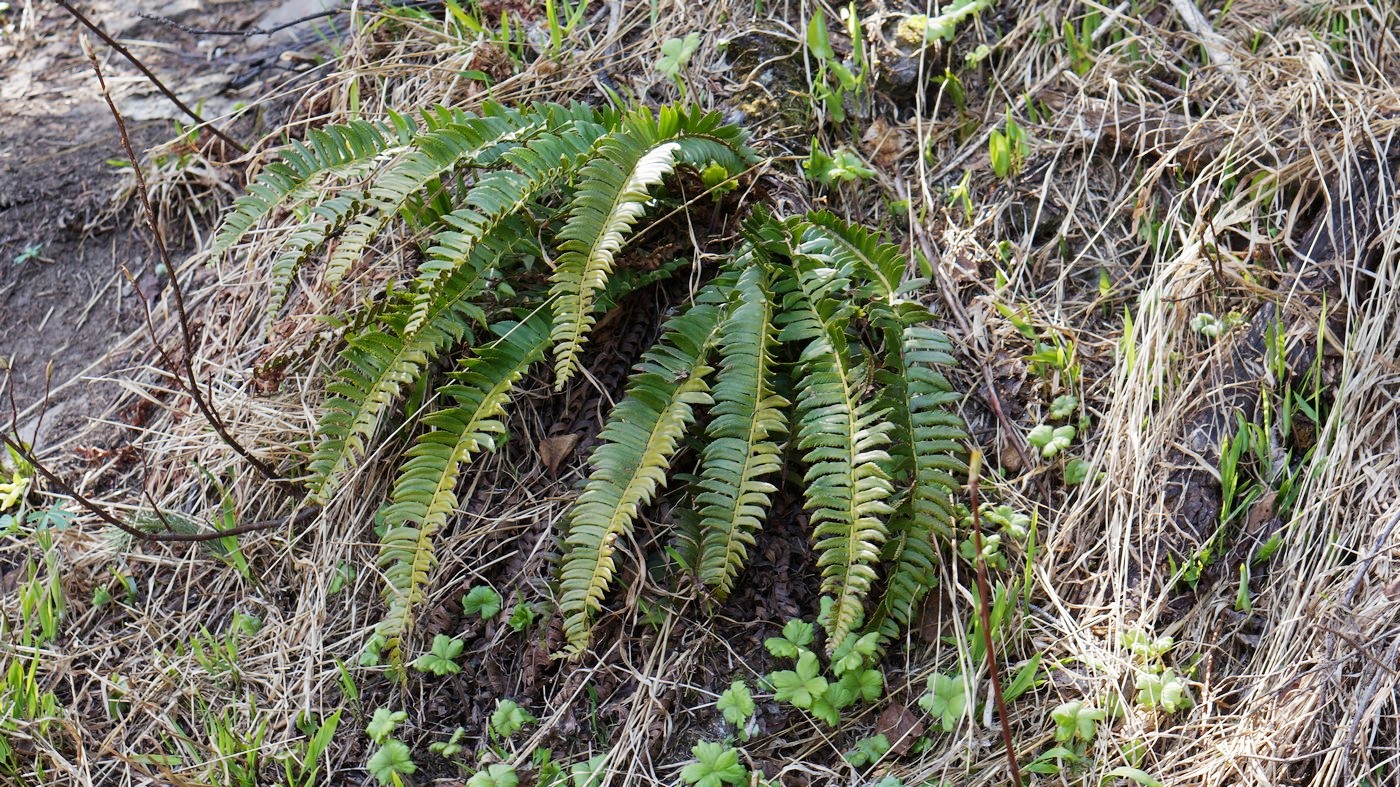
(126, 53)
(984, 612)
(190, 383)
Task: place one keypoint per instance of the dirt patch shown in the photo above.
(64, 299)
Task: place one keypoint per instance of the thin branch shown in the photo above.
(984, 612)
(126, 53)
(190, 383)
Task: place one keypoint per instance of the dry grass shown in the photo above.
(1299, 690)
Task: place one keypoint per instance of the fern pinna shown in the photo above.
(802, 361)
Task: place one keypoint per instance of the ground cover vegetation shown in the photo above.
(742, 394)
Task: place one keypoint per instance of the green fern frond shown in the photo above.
(497, 195)
(328, 153)
(639, 442)
(847, 490)
(856, 249)
(747, 424)
(433, 154)
(325, 219)
(615, 186)
(928, 467)
(424, 494)
(378, 362)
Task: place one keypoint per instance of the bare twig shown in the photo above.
(190, 383)
(126, 53)
(984, 607)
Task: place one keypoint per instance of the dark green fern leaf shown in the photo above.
(639, 442)
(743, 445)
(842, 436)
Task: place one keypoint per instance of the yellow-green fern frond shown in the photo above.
(614, 189)
(424, 495)
(639, 442)
(329, 153)
(381, 360)
(842, 436)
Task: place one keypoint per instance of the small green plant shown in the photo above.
(675, 54)
(840, 166)
(736, 705)
(509, 718)
(1009, 148)
(868, 751)
(392, 761)
(482, 600)
(1051, 440)
(1076, 721)
(801, 686)
(442, 659)
(1165, 691)
(522, 616)
(496, 775)
(449, 748)
(943, 26)
(1063, 407)
(945, 700)
(32, 251)
(834, 79)
(797, 636)
(715, 765)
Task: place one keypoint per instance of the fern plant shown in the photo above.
(802, 362)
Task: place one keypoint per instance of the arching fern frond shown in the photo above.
(639, 442)
(856, 249)
(614, 188)
(842, 437)
(747, 423)
(332, 152)
(425, 493)
(496, 196)
(433, 154)
(378, 362)
(325, 219)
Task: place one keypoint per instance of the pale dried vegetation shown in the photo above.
(1165, 178)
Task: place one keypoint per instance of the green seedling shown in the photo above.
(449, 748)
(1008, 148)
(945, 700)
(32, 251)
(522, 616)
(1076, 471)
(1165, 691)
(1051, 440)
(797, 635)
(482, 600)
(675, 54)
(1076, 721)
(509, 718)
(715, 764)
(868, 751)
(801, 686)
(840, 166)
(737, 706)
(1011, 522)
(943, 26)
(1063, 407)
(392, 760)
(497, 775)
(442, 659)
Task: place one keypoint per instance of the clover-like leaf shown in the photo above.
(736, 704)
(392, 760)
(868, 751)
(715, 764)
(854, 653)
(497, 775)
(509, 718)
(946, 699)
(1051, 440)
(676, 53)
(482, 600)
(1009, 520)
(382, 724)
(442, 659)
(797, 635)
(802, 686)
(1063, 407)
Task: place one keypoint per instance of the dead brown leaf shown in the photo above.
(900, 727)
(554, 450)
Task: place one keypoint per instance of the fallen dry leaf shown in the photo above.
(554, 450)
